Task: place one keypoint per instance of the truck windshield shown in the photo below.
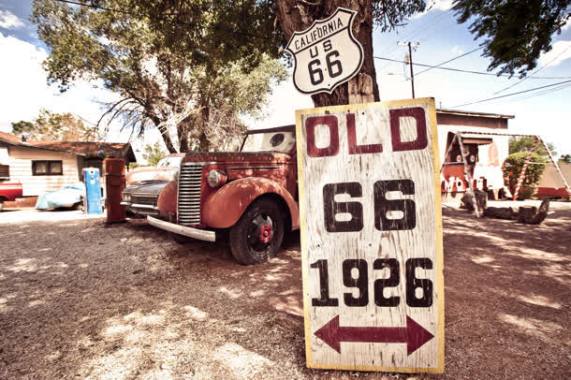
(170, 162)
(282, 142)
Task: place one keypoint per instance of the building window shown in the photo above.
(4, 171)
(47, 167)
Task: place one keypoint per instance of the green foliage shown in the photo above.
(153, 153)
(565, 158)
(515, 32)
(513, 167)
(169, 60)
(22, 128)
(528, 143)
(388, 14)
(55, 126)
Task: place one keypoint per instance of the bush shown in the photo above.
(512, 169)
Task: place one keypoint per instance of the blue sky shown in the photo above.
(546, 113)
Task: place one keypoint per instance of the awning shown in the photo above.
(477, 139)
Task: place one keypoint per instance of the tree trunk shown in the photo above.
(164, 133)
(295, 15)
(168, 142)
(202, 122)
(182, 130)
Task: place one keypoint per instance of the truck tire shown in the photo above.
(259, 233)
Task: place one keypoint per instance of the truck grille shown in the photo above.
(189, 182)
(143, 200)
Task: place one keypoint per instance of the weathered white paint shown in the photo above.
(4, 158)
(423, 241)
(326, 54)
(491, 156)
(20, 161)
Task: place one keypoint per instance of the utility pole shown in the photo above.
(411, 68)
(411, 46)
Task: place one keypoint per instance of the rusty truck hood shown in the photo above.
(238, 157)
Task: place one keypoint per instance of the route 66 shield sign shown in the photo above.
(326, 54)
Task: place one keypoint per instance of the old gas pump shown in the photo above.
(93, 204)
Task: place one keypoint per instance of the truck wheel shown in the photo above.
(258, 234)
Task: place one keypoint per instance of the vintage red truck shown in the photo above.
(251, 195)
(9, 191)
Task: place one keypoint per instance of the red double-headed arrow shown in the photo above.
(414, 335)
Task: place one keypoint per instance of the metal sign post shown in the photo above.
(372, 236)
(326, 54)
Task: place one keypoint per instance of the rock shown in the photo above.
(500, 213)
(468, 200)
(533, 215)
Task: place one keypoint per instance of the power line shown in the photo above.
(429, 23)
(532, 74)
(450, 60)
(547, 91)
(429, 67)
(460, 70)
(513, 94)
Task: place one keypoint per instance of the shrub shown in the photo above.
(512, 169)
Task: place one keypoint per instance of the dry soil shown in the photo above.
(81, 300)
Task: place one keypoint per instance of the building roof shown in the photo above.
(90, 149)
(9, 138)
(81, 148)
(444, 111)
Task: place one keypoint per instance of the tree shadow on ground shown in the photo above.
(80, 299)
(507, 295)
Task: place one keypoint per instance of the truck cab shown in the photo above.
(251, 194)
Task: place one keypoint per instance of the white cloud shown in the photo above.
(456, 50)
(8, 20)
(25, 90)
(435, 5)
(441, 5)
(560, 52)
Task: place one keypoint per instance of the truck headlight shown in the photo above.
(216, 178)
(126, 197)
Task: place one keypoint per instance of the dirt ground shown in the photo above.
(81, 300)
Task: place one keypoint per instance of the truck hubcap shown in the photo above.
(265, 233)
(261, 232)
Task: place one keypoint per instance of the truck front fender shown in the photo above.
(224, 208)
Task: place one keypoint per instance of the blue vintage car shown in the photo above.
(68, 196)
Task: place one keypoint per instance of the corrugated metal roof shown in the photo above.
(90, 149)
(477, 114)
(80, 148)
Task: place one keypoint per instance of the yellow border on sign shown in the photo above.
(430, 106)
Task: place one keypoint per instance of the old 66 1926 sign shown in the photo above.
(326, 54)
(372, 236)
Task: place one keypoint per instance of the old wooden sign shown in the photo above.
(372, 236)
(326, 54)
